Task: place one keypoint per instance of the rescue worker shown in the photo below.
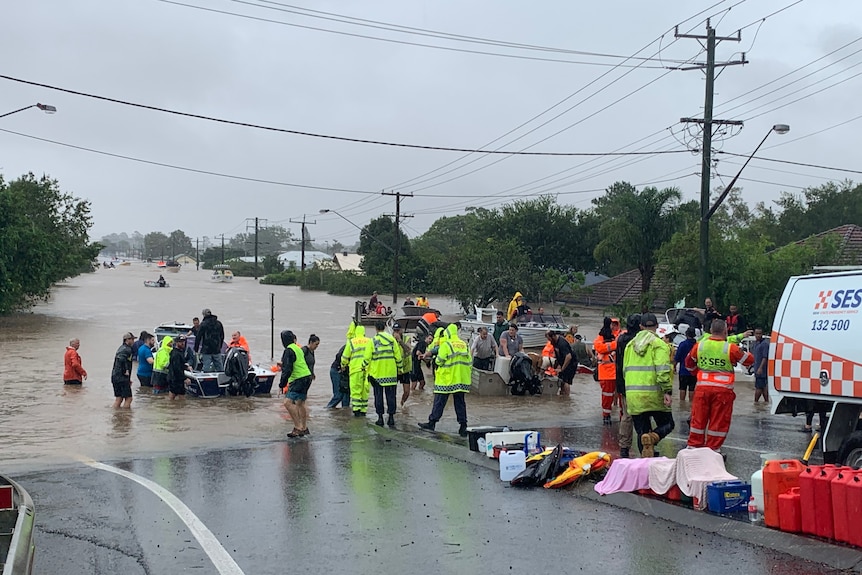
(605, 346)
(160, 365)
(633, 326)
(295, 379)
(453, 377)
(352, 358)
(712, 361)
(383, 361)
(649, 385)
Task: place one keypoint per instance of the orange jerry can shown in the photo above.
(806, 495)
(823, 523)
(778, 477)
(789, 511)
(840, 516)
(854, 507)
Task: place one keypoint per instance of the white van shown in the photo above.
(815, 358)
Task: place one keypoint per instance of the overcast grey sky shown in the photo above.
(177, 57)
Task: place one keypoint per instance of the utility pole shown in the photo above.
(398, 218)
(197, 254)
(304, 234)
(708, 123)
(222, 247)
(257, 225)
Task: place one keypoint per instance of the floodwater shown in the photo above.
(44, 422)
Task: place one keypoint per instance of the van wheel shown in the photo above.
(850, 453)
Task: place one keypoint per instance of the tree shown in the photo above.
(377, 246)
(271, 241)
(43, 239)
(155, 245)
(634, 226)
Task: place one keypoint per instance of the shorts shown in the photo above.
(404, 378)
(296, 396)
(567, 375)
(760, 382)
(146, 380)
(418, 374)
(177, 388)
(687, 382)
(72, 382)
(299, 387)
(123, 389)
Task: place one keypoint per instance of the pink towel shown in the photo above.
(696, 468)
(625, 475)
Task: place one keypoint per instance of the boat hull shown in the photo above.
(17, 516)
(216, 384)
(154, 284)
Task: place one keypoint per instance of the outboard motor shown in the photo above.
(522, 380)
(236, 367)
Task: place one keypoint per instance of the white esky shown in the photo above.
(171, 56)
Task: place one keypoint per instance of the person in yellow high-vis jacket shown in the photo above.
(453, 377)
(383, 359)
(353, 358)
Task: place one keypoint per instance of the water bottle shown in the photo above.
(752, 510)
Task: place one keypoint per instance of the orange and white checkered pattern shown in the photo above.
(799, 367)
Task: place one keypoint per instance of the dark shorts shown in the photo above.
(146, 380)
(299, 387)
(71, 382)
(296, 396)
(760, 382)
(687, 382)
(567, 375)
(177, 388)
(404, 378)
(123, 389)
(418, 374)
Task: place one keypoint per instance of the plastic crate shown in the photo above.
(728, 496)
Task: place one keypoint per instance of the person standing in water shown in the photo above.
(73, 372)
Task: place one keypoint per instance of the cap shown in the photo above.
(206, 311)
(147, 335)
(648, 320)
(395, 326)
(128, 335)
(180, 337)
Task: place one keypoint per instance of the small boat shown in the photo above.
(17, 515)
(154, 283)
(210, 384)
(532, 327)
(221, 274)
(677, 320)
(413, 316)
(172, 266)
(173, 329)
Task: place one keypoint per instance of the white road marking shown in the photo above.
(210, 544)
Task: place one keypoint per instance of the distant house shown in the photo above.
(293, 259)
(849, 238)
(348, 262)
(185, 260)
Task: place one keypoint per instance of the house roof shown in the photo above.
(849, 243)
(295, 257)
(348, 262)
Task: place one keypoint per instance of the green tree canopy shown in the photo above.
(43, 239)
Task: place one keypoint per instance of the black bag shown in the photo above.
(344, 381)
(596, 373)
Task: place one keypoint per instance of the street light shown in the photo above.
(47, 108)
(703, 283)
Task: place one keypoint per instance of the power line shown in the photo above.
(187, 169)
(388, 26)
(804, 164)
(780, 10)
(798, 99)
(838, 125)
(389, 40)
(309, 134)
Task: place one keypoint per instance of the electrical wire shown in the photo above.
(388, 26)
(391, 40)
(301, 133)
(832, 127)
(744, 179)
(797, 99)
(804, 164)
(780, 10)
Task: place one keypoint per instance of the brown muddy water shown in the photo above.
(44, 423)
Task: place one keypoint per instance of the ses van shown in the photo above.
(815, 358)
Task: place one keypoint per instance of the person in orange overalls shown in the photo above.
(712, 360)
(605, 346)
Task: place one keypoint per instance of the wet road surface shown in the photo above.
(356, 504)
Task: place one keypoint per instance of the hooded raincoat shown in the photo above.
(647, 372)
(354, 357)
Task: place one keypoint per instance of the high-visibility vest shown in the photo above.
(300, 368)
(382, 359)
(714, 367)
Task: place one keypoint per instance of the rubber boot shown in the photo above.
(427, 426)
(462, 431)
(391, 422)
(624, 453)
(357, 413)
(379, 421)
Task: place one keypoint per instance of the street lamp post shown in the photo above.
(703, 276)
(379, 241)
(47, 108)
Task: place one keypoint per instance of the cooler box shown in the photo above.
(728, 496)
(474, 433)
(509, 437)
(501, 367)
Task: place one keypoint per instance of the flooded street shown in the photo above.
(45, 422)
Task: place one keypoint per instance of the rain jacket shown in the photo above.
(210, 336)
(647, 372)
(454, 367)
(513, 306)
(163, 356)
(73, 370)
(406, 354)
(383, 359)
(243, 343)
(354, 352)
(605, 354)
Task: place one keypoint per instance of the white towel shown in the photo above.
(695, 469)
(662, 474)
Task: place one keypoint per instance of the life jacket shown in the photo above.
(606, 357)
(550, 352)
